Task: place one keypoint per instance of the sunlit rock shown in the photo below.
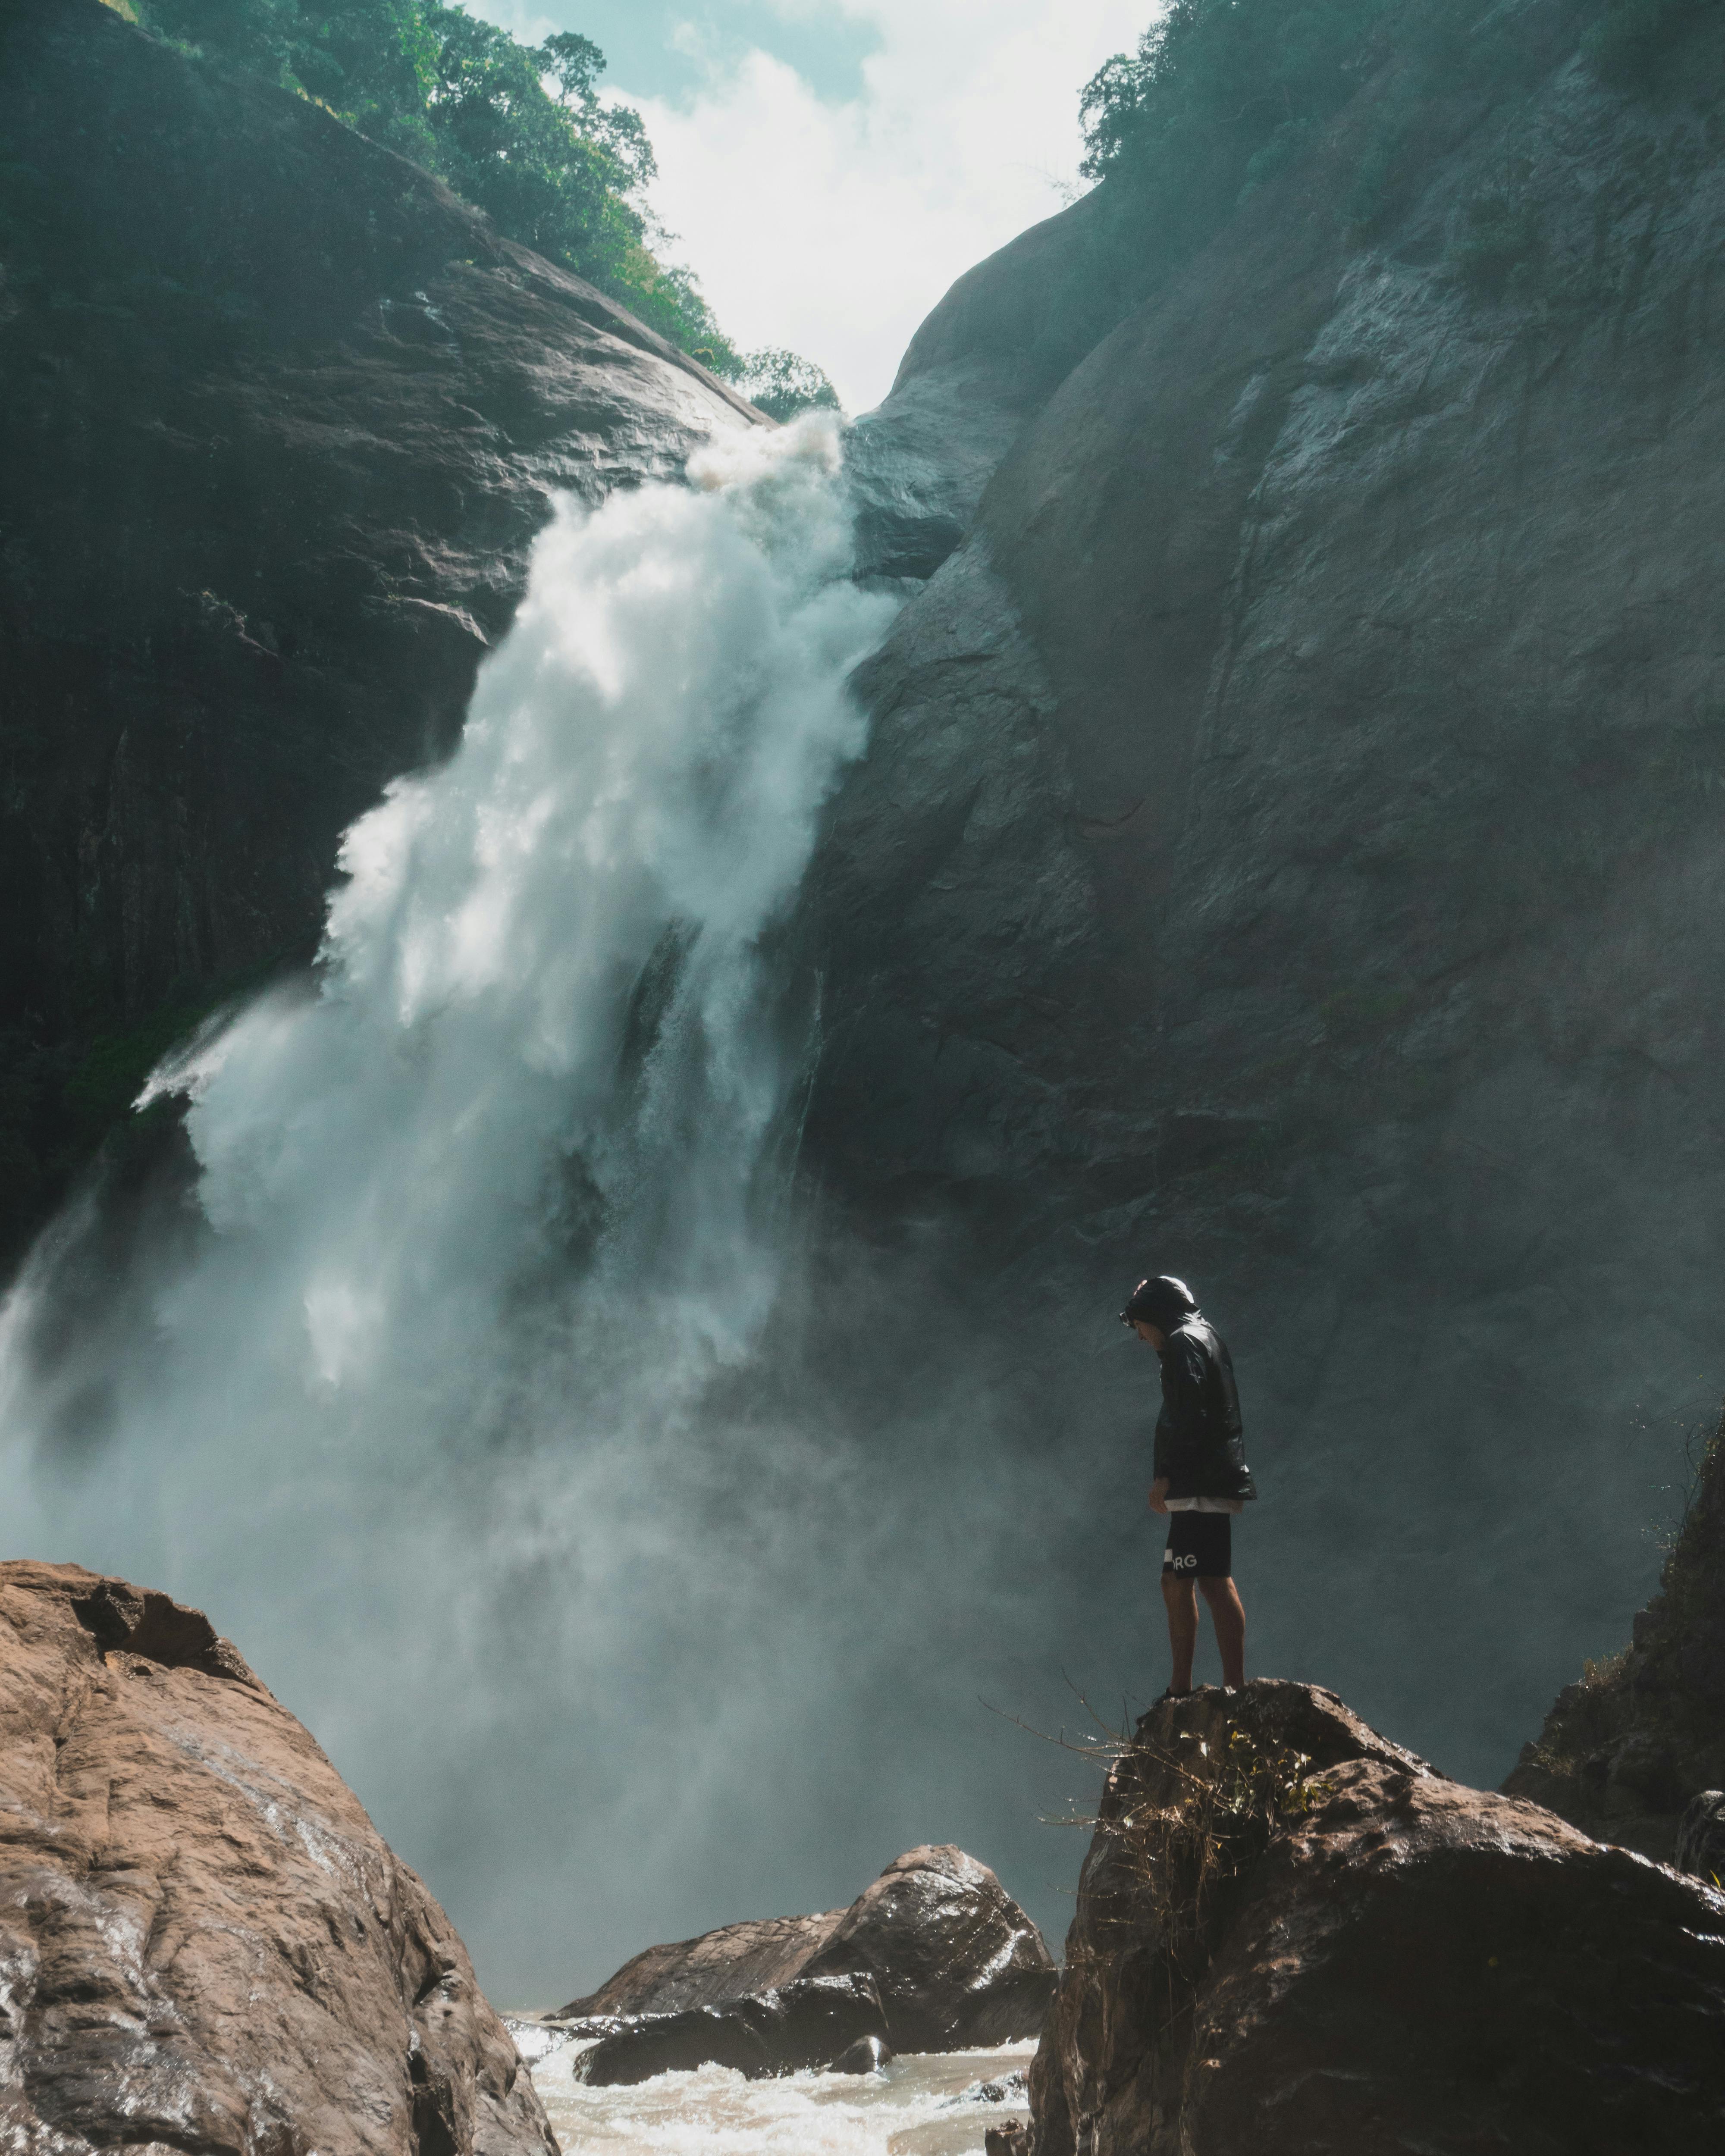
(951, 1960)
(204, 1944)
(1292, 1935)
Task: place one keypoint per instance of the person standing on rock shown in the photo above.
(1202, 1479)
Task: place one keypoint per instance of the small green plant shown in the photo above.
(1184, 1859)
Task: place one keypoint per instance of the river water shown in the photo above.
(931, 2104)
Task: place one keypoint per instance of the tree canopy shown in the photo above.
(519, 131)
(1219, 96)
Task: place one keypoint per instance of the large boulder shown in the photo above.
(951, 1958)
(282, 418)
(1292, 1935)
(817, 2021)
(957, 1961)
(733, 1961)
(205, 1946)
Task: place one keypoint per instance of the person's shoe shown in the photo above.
(1172, 1694)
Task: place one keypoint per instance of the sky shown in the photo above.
(830, 167)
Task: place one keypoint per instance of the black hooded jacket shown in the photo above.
(1199, 1444)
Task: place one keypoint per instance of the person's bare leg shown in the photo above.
(1181, 1628)
(1228, 1615)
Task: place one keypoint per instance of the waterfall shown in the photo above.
(419, 1407)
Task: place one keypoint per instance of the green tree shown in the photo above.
(1219, 95)
(520, 131)
(781, 383)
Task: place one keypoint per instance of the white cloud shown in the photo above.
(834, 227)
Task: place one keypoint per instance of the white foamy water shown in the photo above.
(924, 2105)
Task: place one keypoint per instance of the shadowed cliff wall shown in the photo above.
(1289, 854)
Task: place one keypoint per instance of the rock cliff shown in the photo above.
(205, 1945)
(1639, 1738)
(1288, 853)
(282, 416)
(1292, 1935)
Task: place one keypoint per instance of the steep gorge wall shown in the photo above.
(1289, 854)
(281, 418)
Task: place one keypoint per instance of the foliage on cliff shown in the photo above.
(520, 131)
(1222, 96)
(1219, 95)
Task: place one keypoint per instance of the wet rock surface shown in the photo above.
(1292, 1935)
(282, 418)
(957, 1962)
(205, 1944)
(711, 1970)
(948, 1956)
(984, 363)
(868, 2054)
(816, 2021)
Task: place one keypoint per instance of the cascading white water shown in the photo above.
(419, 1418)
(541, 1016)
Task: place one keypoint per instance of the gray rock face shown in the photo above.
(817, 2021)
(917, 466)
(955, 1959)
(282, 418)
(1635, 1752)
(985, 361)
(1288, 853)
(936, 1941)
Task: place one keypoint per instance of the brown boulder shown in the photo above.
(1291, 1936)
(712, 1970)
(205, 1945)
(957, 1962)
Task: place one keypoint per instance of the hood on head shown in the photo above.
(1162, 1301)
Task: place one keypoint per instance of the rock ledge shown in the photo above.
(1292, 1935)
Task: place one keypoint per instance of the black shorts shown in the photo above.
(1200, 1546)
